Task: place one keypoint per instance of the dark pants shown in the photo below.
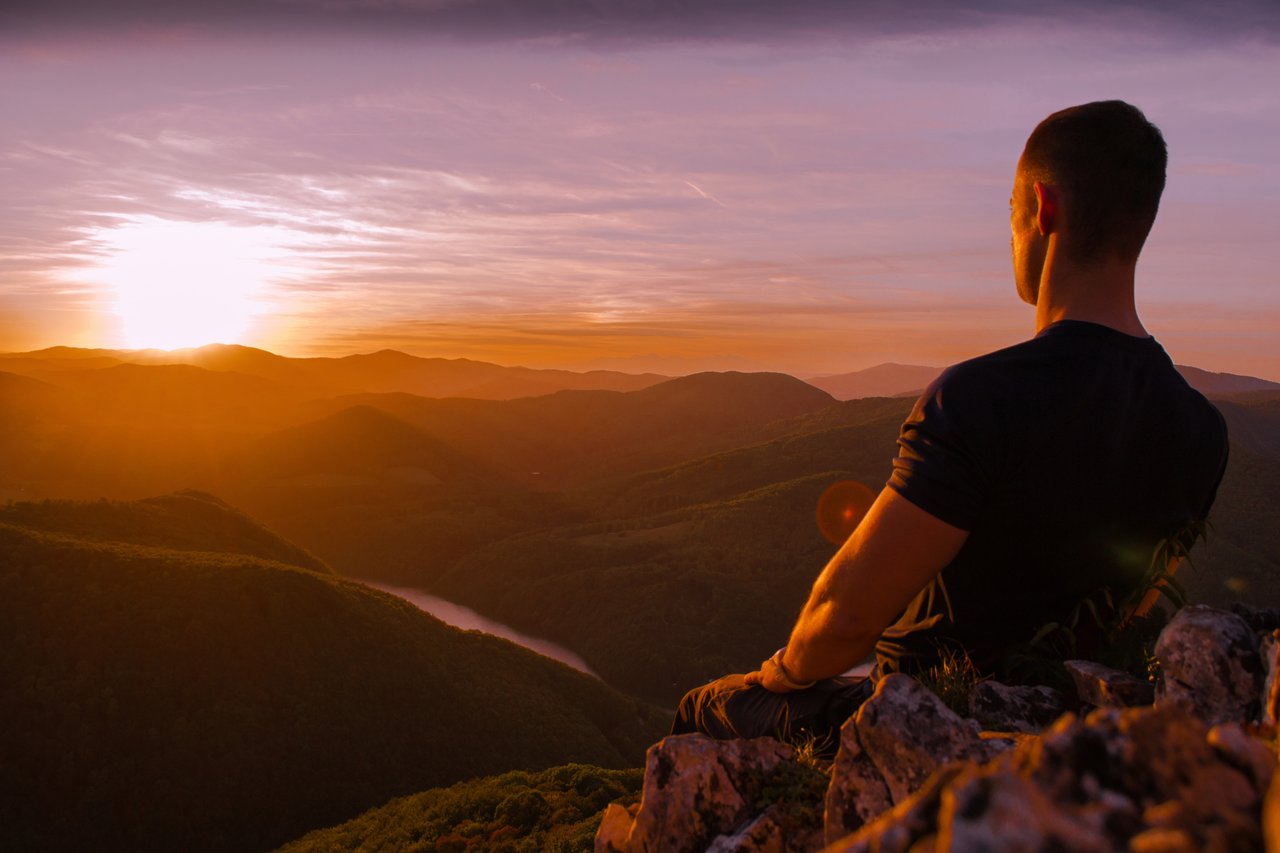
(727, 708)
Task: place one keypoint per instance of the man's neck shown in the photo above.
(1100, 293)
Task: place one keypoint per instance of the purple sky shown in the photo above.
(813, 187)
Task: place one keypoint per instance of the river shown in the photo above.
(469, 620)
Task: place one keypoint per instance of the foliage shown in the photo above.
(953, 679)
(195, 700)
(186, 521)
(555, 810)
(799, 789)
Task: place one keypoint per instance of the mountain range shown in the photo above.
(666, 534)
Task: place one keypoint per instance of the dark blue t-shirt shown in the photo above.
(1067, 458)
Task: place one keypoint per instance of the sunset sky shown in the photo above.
(811, 186)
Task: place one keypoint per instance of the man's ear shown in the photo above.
(1048, 209)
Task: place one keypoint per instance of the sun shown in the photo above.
(174, 284)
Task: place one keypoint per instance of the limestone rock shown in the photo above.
(768, 833)
(1144, 779)
(1261, 620)
(1271, 682)
(1244, 752)
(759, 835)
(1209, 665)
(857, 793)
(1103, 687)
(1271, 816)
(908, 733)
(615, 826)
(1004, 708)
(909, 826)
(1001, 810)
(695, 789)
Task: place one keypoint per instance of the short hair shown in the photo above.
(1109, 161)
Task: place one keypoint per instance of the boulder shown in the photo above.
(1104, 687)
(997, 809)
(857, 793)
(1261, 620)
(1209, 665)
(1270, 701)
(1149, 779)
(769, 832)
(1005, 708)
(1244, 752)
(908, 733)
(695, 789)
(1271, 816)
(909, 826)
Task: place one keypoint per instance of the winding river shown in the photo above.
(469, 620)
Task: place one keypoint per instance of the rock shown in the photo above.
(1139, 779)
(1270, 652)
(1262, 620)
(908, 733)
(909, 826)
(1209, 665)
(1271, 816)
(695, 789)
(857, 793)
(1163, 841)
(760, 835)
(769, 832)
(1004, 708)
(1001, 810)
(1103, 687)
(1244, 752)
(615, 826)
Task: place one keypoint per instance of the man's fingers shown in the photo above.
(756, 677)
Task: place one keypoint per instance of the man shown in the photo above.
(1026, 479)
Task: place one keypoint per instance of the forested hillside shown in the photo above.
(665, 534)
(165, 699)
(554, 811)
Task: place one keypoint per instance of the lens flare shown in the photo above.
(841, 508)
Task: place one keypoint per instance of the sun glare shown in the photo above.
(182, 284)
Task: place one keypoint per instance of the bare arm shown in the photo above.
(896, 550)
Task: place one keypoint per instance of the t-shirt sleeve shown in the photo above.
(948, 451)
(1218, 441)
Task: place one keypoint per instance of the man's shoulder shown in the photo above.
(993, 373)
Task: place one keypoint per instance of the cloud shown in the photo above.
(625, 21)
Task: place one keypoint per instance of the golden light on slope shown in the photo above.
(181, 284)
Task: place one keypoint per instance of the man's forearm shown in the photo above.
(896, 550)
(826, 642)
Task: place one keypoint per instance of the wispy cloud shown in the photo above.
(559, 202)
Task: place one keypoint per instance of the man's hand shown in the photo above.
(773, 676)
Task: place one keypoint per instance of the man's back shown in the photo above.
(1067, 457)
(1026, 479)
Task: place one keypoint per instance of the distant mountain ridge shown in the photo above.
(379, 372)
(899, 380)
(883, 380)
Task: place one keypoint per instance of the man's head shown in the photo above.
(1101, 168)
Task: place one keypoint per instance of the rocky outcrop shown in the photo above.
(897, 740)
(1103, 687)
(1195, 771)
(1270, 714)
(1209, 664)
(701, 794)
(1003, 708)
